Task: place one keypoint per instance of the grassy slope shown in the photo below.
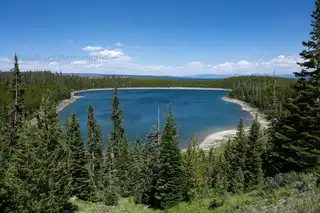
(284, 200)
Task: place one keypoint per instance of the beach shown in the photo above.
(66, 102)
(212, 140)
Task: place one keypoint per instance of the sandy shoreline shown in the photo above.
(212, 140)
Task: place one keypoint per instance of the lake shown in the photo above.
(195, 111)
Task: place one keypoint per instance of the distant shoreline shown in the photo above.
(212, 139)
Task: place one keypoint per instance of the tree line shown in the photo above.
(36, 83)
(255, 89)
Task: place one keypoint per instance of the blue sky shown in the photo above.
(157, 37)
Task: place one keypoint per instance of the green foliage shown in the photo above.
(295, 135)
(35, 178)
(118, 149)
(253, 175)
(145, 186)
(95, 150)
(254, 90)
(136, 170)
(238, 161)
(170, 183)
(195, 163)
(78, 163)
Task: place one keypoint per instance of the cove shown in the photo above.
(202, 112)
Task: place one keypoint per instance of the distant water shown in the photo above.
(195, 111)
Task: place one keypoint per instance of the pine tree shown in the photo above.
(135, 172)
(13, 114)
(193, 170)
(78, 164)
(296, 136)
(118, 143)
(253, 175)
(219, 176)
(240, 145)
(111, 190)
(16, 112)
(211, 162)
(229, 157)
(237, 183)
(237, 160)
(117, 134)
(11, 124)
(36, 177)
(146, 186)
(170, 185)
(124, 165)
(95, 149)
(204, 171)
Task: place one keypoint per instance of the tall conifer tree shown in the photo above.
(253, 174)
(36, 174)
(147, 184)
(118, 145)
(95, 148)
(78, 167)
(170, 186)
(237, 161)
(117, 134)
(241, 145)
(136, 174)
(296, 136)
(192, 166)
(16, 111)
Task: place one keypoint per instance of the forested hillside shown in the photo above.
(250, 89)
(268, 94)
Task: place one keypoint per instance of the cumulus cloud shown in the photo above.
(244, 63)
(92, 48)
(106, 54)
(80, 62)
(115, 61)
(225, 66)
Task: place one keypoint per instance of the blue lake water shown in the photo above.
(195, 111)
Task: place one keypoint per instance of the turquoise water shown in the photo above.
(195, 111)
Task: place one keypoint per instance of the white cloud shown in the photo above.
(225, 66)
(4, 59)
(117, 62)
(80, 62)
(92, 48)
(244, 63)
(108, 53)
(119, 44)
(53, 63)
(195, 63)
